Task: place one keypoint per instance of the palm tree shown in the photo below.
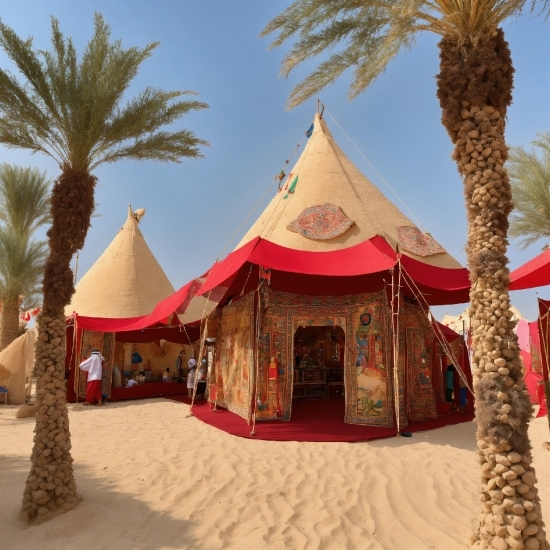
(474, 91)
(24, 207)
(71, 108)
(530, 178)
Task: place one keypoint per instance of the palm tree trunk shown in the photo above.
(474, 89)
(51, 489)
(9, 323)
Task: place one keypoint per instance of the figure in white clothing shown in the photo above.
(94, 367)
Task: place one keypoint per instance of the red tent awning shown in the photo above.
(353, 264)
(535, 272)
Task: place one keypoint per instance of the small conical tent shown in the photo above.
(126, 280)
(330, 250)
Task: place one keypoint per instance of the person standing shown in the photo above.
(192, 364)
(94, 367)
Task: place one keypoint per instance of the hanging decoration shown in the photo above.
(309, 131)
(26, 316)
(321, 222)
(292, 188)
(265, 275)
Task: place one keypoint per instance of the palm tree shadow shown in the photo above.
(129, 520)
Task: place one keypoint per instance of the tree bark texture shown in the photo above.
(474, 89)
(51, 489)
(9, 323)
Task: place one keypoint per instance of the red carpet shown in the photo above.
(312, 420)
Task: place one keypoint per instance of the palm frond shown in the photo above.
(24, 198)
(69, 107)
(21, 265)
(367, 35)
(530, 179)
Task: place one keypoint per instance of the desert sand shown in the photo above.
(153, 478)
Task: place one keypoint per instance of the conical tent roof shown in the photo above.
(326, 176)
(126, 280)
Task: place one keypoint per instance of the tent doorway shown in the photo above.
(319, 367)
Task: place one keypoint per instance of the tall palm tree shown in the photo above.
(24, 207)
(474, 91)
(72, 109)
(530, 179)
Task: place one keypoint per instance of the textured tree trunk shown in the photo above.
(9, 323)
(50, 489)
(474, 89)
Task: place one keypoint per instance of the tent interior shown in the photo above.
(158, 345)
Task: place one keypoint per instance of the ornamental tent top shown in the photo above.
(126, 280)
(327, 204)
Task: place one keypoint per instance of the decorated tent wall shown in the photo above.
(543, 389)
(259, 380)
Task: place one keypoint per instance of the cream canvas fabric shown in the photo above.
(326, 175)
(126, 281)
(18, 359)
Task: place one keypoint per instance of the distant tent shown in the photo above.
(18, 360)
(126, 280)
(311, 289)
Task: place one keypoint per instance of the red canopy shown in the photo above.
(360, 268)
(535, 272)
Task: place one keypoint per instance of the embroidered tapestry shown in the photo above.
(421, 244)
(235, 357)
(369, 395)
(419, 341)
(105, 343)
(321, 222)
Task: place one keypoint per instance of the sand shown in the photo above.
(153, 478)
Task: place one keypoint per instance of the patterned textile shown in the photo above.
(105, 343)
(419, 339)
(321, 222)
(234, 360)
(369, 395)
(364, 320)
(421, 244)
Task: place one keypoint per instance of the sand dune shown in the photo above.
(152, 478)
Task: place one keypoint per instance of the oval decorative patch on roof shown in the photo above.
(321, 222)
(421, 244)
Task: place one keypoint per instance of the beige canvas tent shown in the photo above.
(311, 289)
(126, 280)
(18, 360)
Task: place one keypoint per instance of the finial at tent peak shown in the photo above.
(130, 211)
(320, 108)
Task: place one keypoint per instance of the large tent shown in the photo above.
(312, 300)
(126, 303)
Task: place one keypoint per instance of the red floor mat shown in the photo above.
(312, 420)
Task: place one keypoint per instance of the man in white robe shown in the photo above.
(94, 367)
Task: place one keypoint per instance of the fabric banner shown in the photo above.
(105, 343)
(234, 359)
(369, 395)
(419, 341)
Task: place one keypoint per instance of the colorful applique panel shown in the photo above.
(235, 357)
(321, 222)
(421, 244)
(368, 383)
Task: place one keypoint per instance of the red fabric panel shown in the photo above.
(544, 312)
(221, 271)
(175, 303)
(367, 257)
(535, 272)
(176, 333)
(429, 276)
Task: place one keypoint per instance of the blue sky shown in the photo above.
(211, 47)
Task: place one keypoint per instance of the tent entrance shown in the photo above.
(318, 363)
